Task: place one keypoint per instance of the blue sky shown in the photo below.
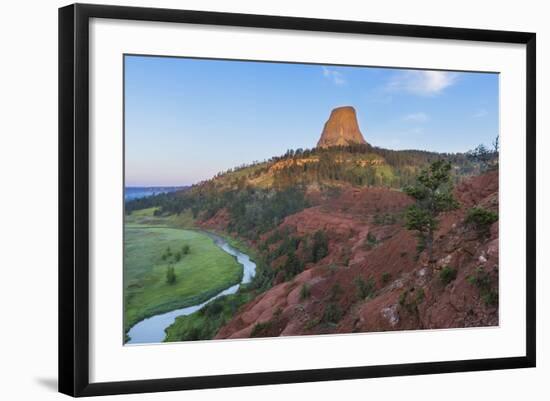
(187, 119)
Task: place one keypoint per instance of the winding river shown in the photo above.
(151, 330)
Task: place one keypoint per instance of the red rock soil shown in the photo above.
(408, 294)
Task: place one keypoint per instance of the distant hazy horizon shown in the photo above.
(188, 119)
(136, 192)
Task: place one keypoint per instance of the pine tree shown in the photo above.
(433, 194)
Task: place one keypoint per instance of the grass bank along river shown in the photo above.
(200, 273)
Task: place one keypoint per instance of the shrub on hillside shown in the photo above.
(332, 313)
(170, 275)
(447, 274)
(370, 241)
(264, 276)
(365, 289)
(482, 280)
(411, 298)
(385, 219)
(481, 218)
(292, 266)
(305, 292)
(260, 329)
(335, 292)
(320, 245)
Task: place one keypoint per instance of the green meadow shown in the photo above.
(152, 247)
(147, 217)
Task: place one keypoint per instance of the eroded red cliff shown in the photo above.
(373, 279)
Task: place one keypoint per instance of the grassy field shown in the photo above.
(204, 271)
(146, 216)
(205, 323)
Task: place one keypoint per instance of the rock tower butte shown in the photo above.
(341, 129)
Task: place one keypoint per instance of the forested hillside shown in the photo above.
(258, 196)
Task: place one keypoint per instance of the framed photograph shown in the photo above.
(250, 199)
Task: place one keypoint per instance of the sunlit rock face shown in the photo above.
(341, 129)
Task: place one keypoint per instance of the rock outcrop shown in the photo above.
(341, 129)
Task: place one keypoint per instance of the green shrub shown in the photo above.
(403, 298)
(278, 312)
(364, 288)
(292, 266)
(305, 292)
(412, 304)
(170, 275)
(371, 238)
(264, 276)
(385, 219)
(447, 274)
(346, 255)
(490, 298)
(320, 245)
(370, 241)
(335, 292)
(481, 218)
(420, 245)
(260, 329)
(420, 295)
(185, 249)
(332, 313)
(275, 237)
(482, 280)
(332, 268)
(386, 277)
(212, 309)
(311, 324)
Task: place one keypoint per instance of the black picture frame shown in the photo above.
(74, 200)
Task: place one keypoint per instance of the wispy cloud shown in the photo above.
(423, 83)
(335, 76)
(416, 117)
(480, 113)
